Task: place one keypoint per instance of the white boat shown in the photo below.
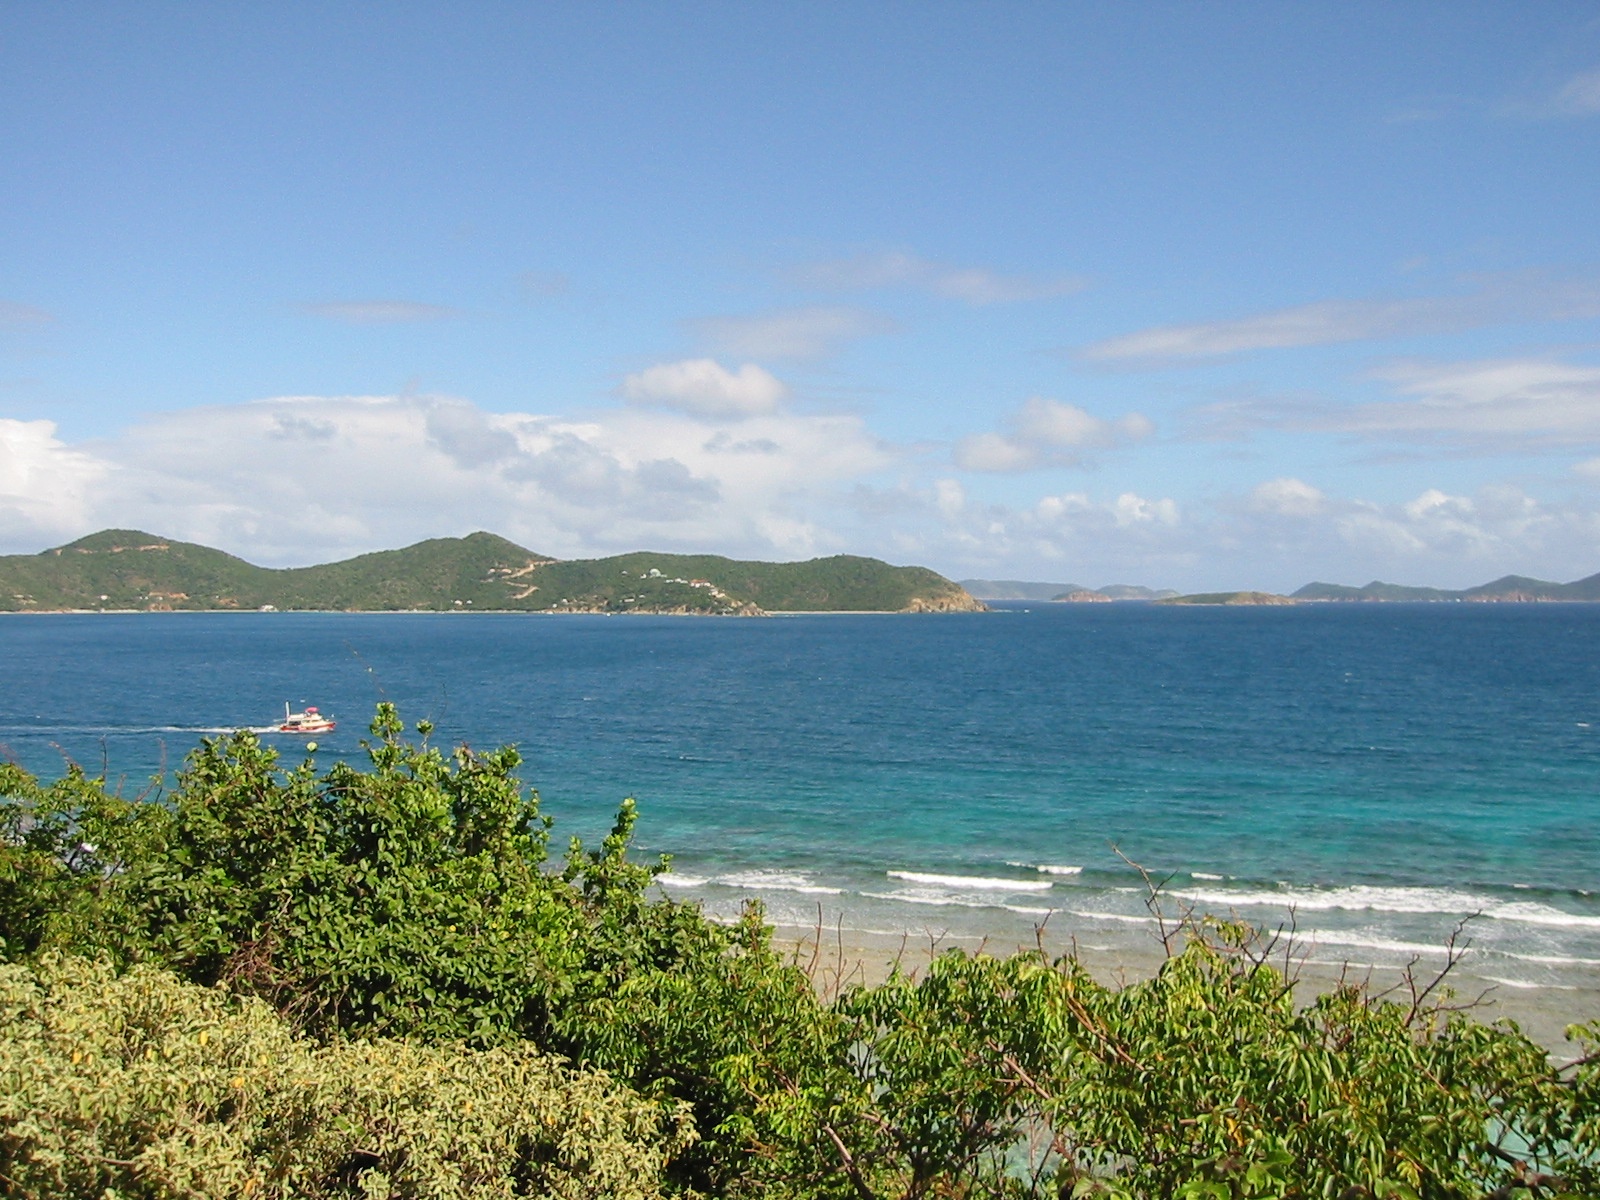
(309, 721)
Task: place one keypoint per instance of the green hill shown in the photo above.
(1376, 590)
(1505, 590)
(126, 568)
(1229, 599)
(129, 569)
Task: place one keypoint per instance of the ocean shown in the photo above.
(1369, 776)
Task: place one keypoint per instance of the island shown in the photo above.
(1230, 599)
(129, 570)
(1509, 589)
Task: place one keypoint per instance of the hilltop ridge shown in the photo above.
(129, 569)
(1508, 589)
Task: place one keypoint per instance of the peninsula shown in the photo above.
(124, 569)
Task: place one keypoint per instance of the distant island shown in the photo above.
(1231, 599)
(1509, 589)
(1018, 589)
(126, 569)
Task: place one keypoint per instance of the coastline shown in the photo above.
(837, 958)
(484, 612)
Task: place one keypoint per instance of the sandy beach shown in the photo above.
(841, 958)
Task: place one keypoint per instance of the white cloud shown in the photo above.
(950, 497)
(1047, 433)
(1496, 402)
(1497, 526)
(975, 285)
(1507, 298)
(378, 312)
(45, 485)
(1278, 535)
(705, 387)
(791, 333)
(1287, 497)
(993, 452)
(301, 479)
(1579, 96)
(1475, 407)
(1133, 509)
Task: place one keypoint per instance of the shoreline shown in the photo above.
(847, 957)
(483, 612)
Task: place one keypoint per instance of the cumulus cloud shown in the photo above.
(378, 312)
(1500, 525)
(1330, 321)
(994, 452)
(307, 478)
(1287, 497)
(705, 387)
(1047, 433)
(45, 485)
(1276, 535)
(1292, 533)
(796, 333)
(311, 478)
(974, 285)
(950, 497)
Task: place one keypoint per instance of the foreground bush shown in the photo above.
(415, 900)
(1207, 1081)
(144, 1086)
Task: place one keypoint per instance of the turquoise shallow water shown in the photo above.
(1383, 771)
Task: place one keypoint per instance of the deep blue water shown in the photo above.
(1386, 769)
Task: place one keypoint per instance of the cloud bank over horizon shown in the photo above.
(300, 479)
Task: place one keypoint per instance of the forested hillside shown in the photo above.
(122, 569)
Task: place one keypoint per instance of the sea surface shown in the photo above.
(1371, 776)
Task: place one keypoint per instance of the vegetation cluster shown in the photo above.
(122, 569)
(375, 981)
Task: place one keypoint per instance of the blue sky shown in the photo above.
(1190, 295)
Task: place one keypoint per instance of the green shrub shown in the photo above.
(415, 899)
(411, 899)
(141, 1085)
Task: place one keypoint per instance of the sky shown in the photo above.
(1190, 295)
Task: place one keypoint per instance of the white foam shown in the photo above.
(1520, 984)
(977, 883)
(1542, 914)
(1553, 960)
(1357, 898)
(955, 901)
(1105, 916)
(775, 881)
(1364, 941)
(1207, 875)
(1367, 898)
(683, 881)
(1047, 868)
